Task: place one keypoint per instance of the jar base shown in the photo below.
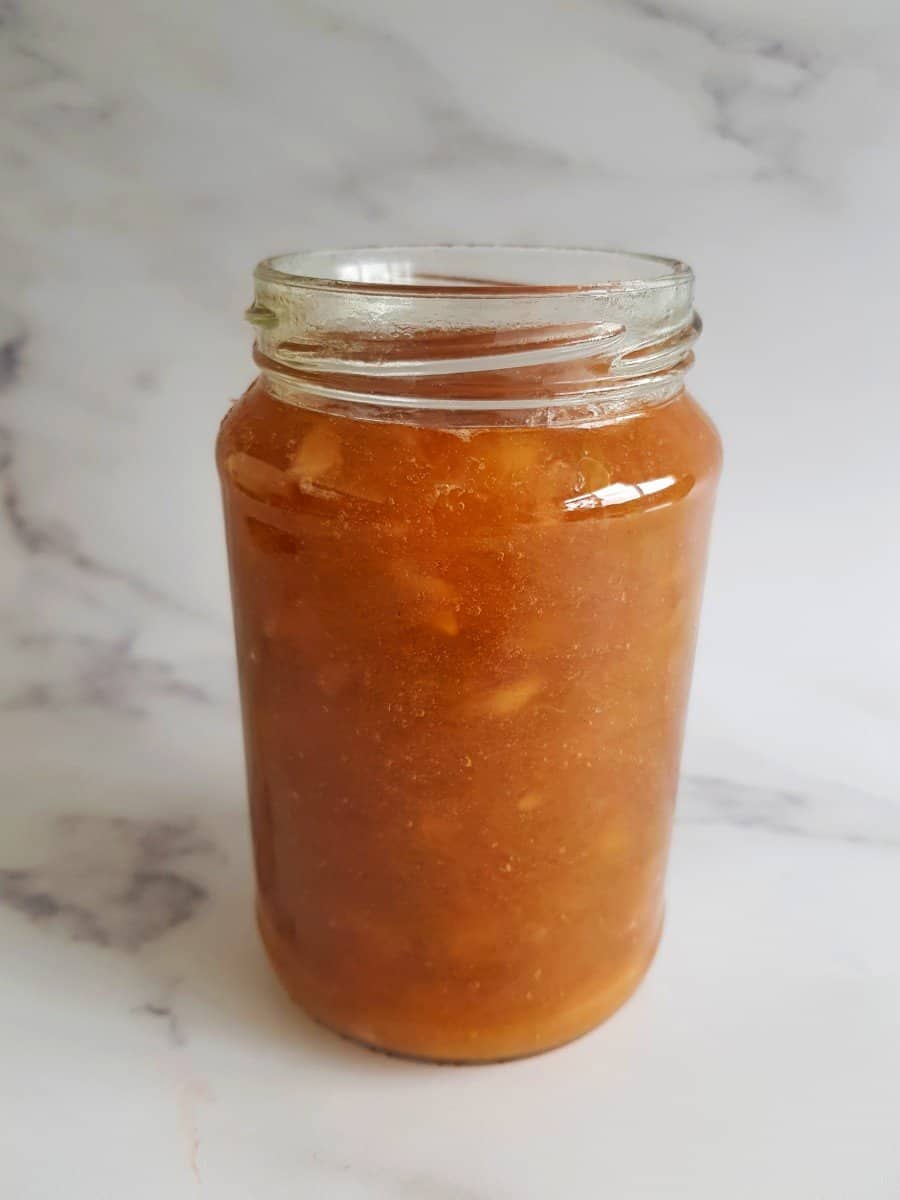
(400, 1038)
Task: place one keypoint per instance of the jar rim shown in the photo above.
(468, 328)
(403, 270)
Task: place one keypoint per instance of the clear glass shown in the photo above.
(467, 504)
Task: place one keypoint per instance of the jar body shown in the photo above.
(464, 660)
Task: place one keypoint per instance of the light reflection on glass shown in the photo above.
(619, 493)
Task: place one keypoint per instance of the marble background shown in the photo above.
(150, 154)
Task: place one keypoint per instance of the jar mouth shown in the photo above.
(474, 328)
(467, 271)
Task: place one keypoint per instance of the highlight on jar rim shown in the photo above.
(478, 268)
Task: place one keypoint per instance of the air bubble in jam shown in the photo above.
(463, 699)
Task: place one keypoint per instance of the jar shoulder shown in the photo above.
(292, 454)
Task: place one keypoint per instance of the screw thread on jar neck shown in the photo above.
(468, 330)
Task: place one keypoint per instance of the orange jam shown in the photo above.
(464, 654)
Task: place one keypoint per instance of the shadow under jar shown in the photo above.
(467, 505)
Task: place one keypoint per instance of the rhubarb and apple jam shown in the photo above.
(467, 504)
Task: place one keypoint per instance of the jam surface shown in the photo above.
(464, 658)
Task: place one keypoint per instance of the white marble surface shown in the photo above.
(150, 153)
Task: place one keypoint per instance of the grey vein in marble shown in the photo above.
(57, 539)
(165, 1013)
(11, 359)
(745, 38)
(97, 673)
(450, 133)
(111, 881)
(825, 812)
(743, 66)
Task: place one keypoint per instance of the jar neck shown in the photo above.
(407, 331)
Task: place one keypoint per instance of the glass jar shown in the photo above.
(467, 504)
